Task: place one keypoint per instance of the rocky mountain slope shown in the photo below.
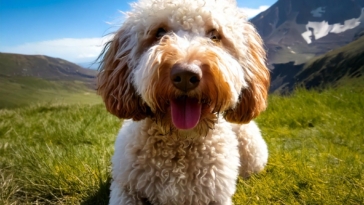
(298, 30)
(344, 65)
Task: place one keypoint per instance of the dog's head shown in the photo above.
(186, 59)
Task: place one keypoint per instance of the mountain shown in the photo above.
(43, 67)
(29, 79)
(344, 65)
(89, 65)
(298, 30)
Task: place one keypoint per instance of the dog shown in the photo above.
(188, 77)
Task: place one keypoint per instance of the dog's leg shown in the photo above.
(123, 197)
(119, 196)
(252, 149)
(227, 202)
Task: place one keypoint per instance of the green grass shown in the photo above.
(22, 91)
(55, 153)
(60, 154)
(316, 150)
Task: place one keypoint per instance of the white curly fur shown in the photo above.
(154, 161)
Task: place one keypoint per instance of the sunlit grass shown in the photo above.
(60, 154)
(25, 91)
(56, 153)
(316, 150)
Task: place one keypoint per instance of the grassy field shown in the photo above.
(60, 154)
(20, 91)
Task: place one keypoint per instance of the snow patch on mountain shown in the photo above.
(318, 12)
(317, 30)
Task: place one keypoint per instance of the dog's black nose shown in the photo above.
(185, 77)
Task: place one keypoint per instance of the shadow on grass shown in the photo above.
(101, 197)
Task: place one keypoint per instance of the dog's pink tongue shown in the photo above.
(186, 113)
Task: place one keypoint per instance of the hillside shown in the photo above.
(44, 67)
(344, 65)
(28, 79)
(298, 30)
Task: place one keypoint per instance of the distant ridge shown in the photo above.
(297, 30)
(341, 66)
(89, 65)
(44, 67)
(29, 79)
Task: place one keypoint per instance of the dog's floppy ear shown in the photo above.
(253, 98)
(114, 82)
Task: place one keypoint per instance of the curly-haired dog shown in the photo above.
(191, 75)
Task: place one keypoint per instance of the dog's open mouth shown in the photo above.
(186, 112)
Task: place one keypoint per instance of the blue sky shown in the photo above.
(74, 30)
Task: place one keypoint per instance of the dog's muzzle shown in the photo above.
(185, 77)
(185, 111)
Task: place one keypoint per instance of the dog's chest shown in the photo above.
(183, 170)
(171, 161)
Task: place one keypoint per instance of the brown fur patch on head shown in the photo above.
(151, 37)
(115, 81)
(252, 99)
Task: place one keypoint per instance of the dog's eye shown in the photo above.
(160, 33)
(214, 36)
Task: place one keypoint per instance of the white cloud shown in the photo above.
(71, 49)
(250, 12)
